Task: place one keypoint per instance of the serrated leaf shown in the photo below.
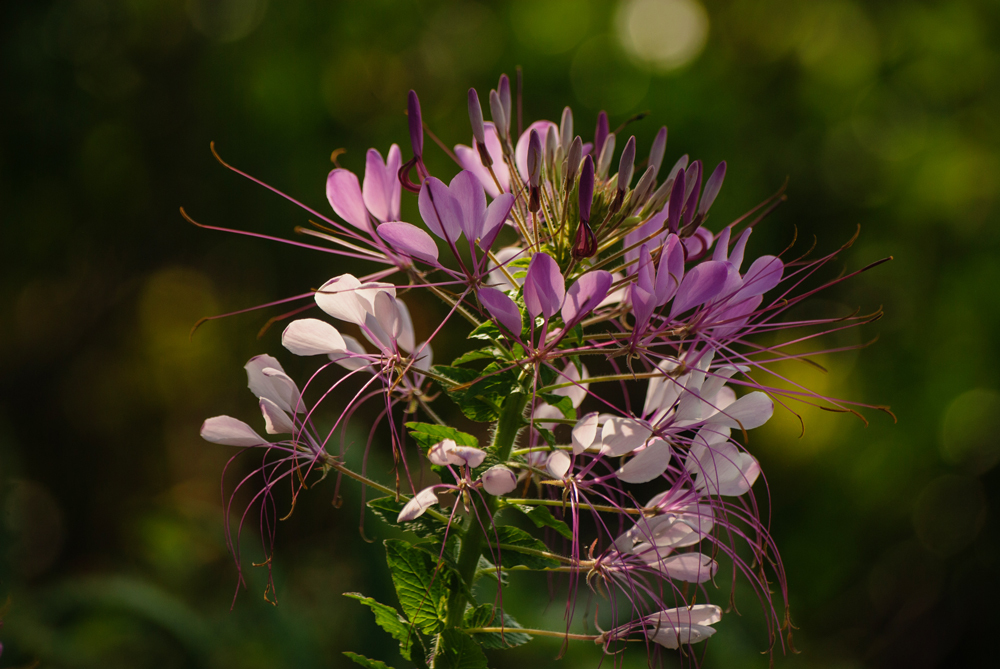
(387, 508)
(479, 395)
(421, 587)
(389, 619)
(485, 615)
(366, 662)
(546, 434)
(542, 517)
(488, 353)
(561, 402)
(513, 544)
(486, 331)
(428, 434)
(457, 650)
(490, 570)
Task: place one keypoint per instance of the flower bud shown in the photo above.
(584, 243)
(499, 480)
(551, 144)
(575, 153)
(586, 188)
(478, 129)
(566, 128)
(601, 133)
(604, 159)
(416, 124)
(503, 89)
(626, 166)
(657, 150)
(644, 187)
(534, 158)
(500, 119)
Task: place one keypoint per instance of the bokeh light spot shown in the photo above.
(949, 513)
(664, 34)
(970, 430)
(226, 20)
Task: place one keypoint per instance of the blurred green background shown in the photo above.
(882, 114)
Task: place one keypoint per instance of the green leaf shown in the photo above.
(561, 402)
(389, 619)
(457, 650)
(546, 434)
(387, 508)
(487, 353)
(485, 615)
(487, 331)
(542, 517)
(512, 539)
(421, 587)
(428, 434)
(366, 662)
(478, 394)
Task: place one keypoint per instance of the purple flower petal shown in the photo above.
(471, 199)
(712, 187)
(344, 194)
(675, 203)
(763, 275)
(496, 214)
(381, 189)
(671, 269)
(409, 240)
(699, 285)
(544, 286)
(439, 209)
(502, 308)
(584, 295)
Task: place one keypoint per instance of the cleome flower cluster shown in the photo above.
(586, 278)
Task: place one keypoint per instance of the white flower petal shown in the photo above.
(276, 421)
(584, 433)
(648, 463)
(499, 480)
(416, 507)
(621, 436)
(311, 336)
(230, 431)
(750, 411)
(558, 464)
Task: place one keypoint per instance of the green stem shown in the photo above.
(508, 425)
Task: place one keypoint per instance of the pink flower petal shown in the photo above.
(544, 286)
(310, 336)
(409, 240)
(381, 189)
(276, 421)
(344, 194)
(502, 308)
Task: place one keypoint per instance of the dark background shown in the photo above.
(883, 115)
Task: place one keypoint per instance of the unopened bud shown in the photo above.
(657, 150)
(500, 119)
(566, 128)
(604, 160)
(586, 188)
(601, 133)
(573, 161)
(416, 124)
(534, 159)
(503, 89)
(476, 117)
(626, 166)
(584, 243)
(551, 144)
(644, 187)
